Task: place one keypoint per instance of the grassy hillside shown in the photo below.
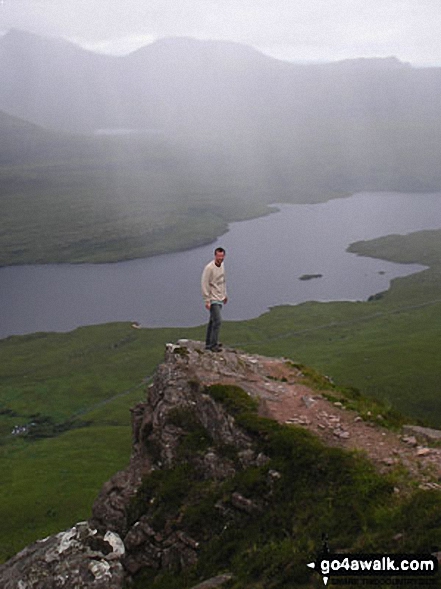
(107, 199)
(77, 388)
(102, 199)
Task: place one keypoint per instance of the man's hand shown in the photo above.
(207, 306)
(225, 300)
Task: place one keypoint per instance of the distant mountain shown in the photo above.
(201, 53)
(52, 82)
(184, 85)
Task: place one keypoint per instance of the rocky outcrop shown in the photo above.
(426, 434)
(79, 558)
(176, 403)
(180, 425)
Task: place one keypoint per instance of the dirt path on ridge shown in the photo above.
(283, 396)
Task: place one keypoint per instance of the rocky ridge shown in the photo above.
(120, 541)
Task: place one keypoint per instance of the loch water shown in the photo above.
(294, 255)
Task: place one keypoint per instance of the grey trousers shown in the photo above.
(213, 326)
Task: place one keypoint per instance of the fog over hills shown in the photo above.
(270, 113)
(23, 142)
(204, 128)
(181, 84)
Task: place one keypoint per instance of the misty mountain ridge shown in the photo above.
(190, 48)
(186, 85)
(17, 38)
(372, 62)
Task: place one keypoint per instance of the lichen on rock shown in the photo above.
(78, 558)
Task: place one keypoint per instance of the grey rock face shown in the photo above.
(159, 425)
(79, 558)
(424, 433)
(175, 403)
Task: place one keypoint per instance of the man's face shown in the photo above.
(219, 258)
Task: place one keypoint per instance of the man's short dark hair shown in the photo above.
(219, 249)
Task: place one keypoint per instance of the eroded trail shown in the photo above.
(283, 395)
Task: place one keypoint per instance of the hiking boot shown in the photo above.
(215, 348)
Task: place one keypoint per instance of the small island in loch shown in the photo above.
(310, 276)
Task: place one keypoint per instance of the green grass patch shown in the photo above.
(51, 484)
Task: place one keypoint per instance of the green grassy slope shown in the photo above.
(103, 200)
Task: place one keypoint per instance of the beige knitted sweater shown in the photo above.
(213, 283)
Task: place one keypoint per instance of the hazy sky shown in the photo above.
(297, 30)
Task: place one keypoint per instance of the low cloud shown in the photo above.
(307, 30)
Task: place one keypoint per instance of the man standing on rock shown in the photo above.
(214, 292)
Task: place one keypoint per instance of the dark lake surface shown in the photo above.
(265, 260)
